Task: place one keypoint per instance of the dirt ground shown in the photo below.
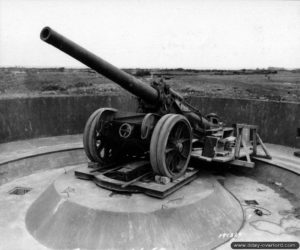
(277, 85)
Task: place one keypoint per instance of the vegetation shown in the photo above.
(265, 84)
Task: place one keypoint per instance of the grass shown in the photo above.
(278, 85)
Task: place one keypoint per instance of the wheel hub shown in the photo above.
(179, 146)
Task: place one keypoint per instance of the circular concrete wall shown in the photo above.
(24, 118)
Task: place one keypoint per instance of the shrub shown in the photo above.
(142, 72)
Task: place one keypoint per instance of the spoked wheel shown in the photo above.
(98, 148)
(86, 133)
(171, 145)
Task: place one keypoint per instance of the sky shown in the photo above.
(155, 33)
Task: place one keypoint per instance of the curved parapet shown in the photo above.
(74, 214)
(63, 115)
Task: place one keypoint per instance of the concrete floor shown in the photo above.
(282, 156)
(13, 209)
(16, 150)
(280, 222)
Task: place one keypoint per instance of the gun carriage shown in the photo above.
(159, 138)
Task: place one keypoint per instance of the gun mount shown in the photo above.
(165, 131)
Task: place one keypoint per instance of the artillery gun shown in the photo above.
(159, 138)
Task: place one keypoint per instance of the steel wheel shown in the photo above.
(173, 146)
(101, 148)
(86, 133)
(154, 140)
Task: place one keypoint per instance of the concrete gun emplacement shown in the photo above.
(165, 130)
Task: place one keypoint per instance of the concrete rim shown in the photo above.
(61, 219)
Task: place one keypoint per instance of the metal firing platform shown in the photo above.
(146, 184)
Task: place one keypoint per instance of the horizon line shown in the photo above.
(154, 68)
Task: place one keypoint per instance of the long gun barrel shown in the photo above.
(128, 82)
(135, 86)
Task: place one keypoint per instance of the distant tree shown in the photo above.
(142, 72)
